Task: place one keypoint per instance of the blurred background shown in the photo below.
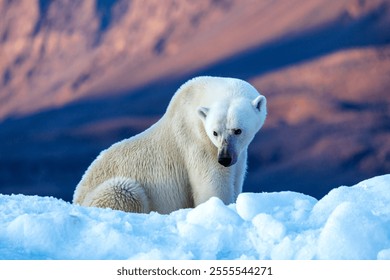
(77, 76)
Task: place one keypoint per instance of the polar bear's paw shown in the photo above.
(119, 194)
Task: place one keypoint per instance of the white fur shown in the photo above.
(175, 163)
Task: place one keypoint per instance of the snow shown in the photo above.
(348, 223)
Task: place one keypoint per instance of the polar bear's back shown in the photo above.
(211, 89)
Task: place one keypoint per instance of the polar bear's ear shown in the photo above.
(260, 103)
(202, 112)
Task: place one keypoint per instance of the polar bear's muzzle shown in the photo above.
(226, 157)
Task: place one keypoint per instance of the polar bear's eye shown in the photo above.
(237, 131)
(215, 133)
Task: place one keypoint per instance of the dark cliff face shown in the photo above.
(76, 77)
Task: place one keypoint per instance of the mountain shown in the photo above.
(79, 76)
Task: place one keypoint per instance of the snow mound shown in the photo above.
(348, 223)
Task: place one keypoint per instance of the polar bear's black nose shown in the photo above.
(225, 161)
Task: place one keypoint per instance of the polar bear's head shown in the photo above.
(231, 125)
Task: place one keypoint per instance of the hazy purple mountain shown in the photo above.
(79, 76)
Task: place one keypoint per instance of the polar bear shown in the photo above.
(197, 150)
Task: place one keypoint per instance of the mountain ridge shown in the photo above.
(73, 86)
